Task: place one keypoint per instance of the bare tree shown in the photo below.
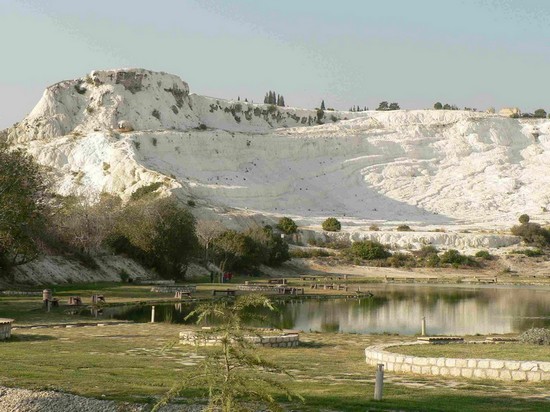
(207, 231)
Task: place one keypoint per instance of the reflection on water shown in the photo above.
(395, 309)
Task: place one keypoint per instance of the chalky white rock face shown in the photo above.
(118, 130)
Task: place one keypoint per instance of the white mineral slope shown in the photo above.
(115, 131)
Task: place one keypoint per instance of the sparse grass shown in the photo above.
(133, 363)
(512, 351)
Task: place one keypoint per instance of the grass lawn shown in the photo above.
(127, 362)
(512, 351)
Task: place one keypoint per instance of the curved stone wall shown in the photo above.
(505, 370)
(283, 340)
(5, 328)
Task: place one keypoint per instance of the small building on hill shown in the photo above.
(510, 112)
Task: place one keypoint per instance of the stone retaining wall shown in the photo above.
(257, 288)
(174, 288)
(19, 293)
(506, 370)
(5, 328)
(284, 340)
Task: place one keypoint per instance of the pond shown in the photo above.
(395, 309)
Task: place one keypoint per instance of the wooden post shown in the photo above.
(423, 326)
(379, 384)
(152, 314)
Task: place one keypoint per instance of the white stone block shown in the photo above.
(492, 373)
(467, 372)
(483, 363)
(496, 364)
(505, 375)
(519, 376)
(455, 371)
(512, 365)
(534, 376)
(529, 366)
(480, 373)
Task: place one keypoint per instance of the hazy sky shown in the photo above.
(475, 53)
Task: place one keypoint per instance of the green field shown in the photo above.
(132, 363)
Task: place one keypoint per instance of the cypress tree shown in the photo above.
(322, 105)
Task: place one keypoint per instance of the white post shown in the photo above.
(152, 314)
(423, 325)
(379, 384)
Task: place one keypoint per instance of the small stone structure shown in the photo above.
(282, 340)
(174, 289)
(5, 328)
(505, 370)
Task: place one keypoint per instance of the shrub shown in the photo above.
(483, 254)
(287, 225)
(374, 228)
(426, 251)
(145, 190)
(332, 224)
(305, 254)
(201, 126)
(404, 228)
(532, 233)
(369, 250)
(124, 276)
(528, 252)
(455, 258)
(398, 260)
(154, 141)
(536, 336)
(191, 203)
(524, 219)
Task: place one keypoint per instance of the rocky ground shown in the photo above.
(24, 400)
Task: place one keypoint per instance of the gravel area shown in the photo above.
(24, 400)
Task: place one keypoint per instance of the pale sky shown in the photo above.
(475, 53)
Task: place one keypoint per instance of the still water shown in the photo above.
(395, 309)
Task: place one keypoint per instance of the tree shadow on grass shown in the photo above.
(314, 344)
(29, 338)
(426, 402)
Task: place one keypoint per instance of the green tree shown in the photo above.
(524, 219)
(323, 105)
(320, 115)
(394, 106)
(160, 233)
(540, 113)
(232, 374)
(383, 106)
(332, 224)
(532, 233)
(287, 225)
(369, 250)
(438, 106)
(446, 106)
(23, 197)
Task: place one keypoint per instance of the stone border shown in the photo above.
(282, 340)
(504, 370)
(174, 288)
(5, 328)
